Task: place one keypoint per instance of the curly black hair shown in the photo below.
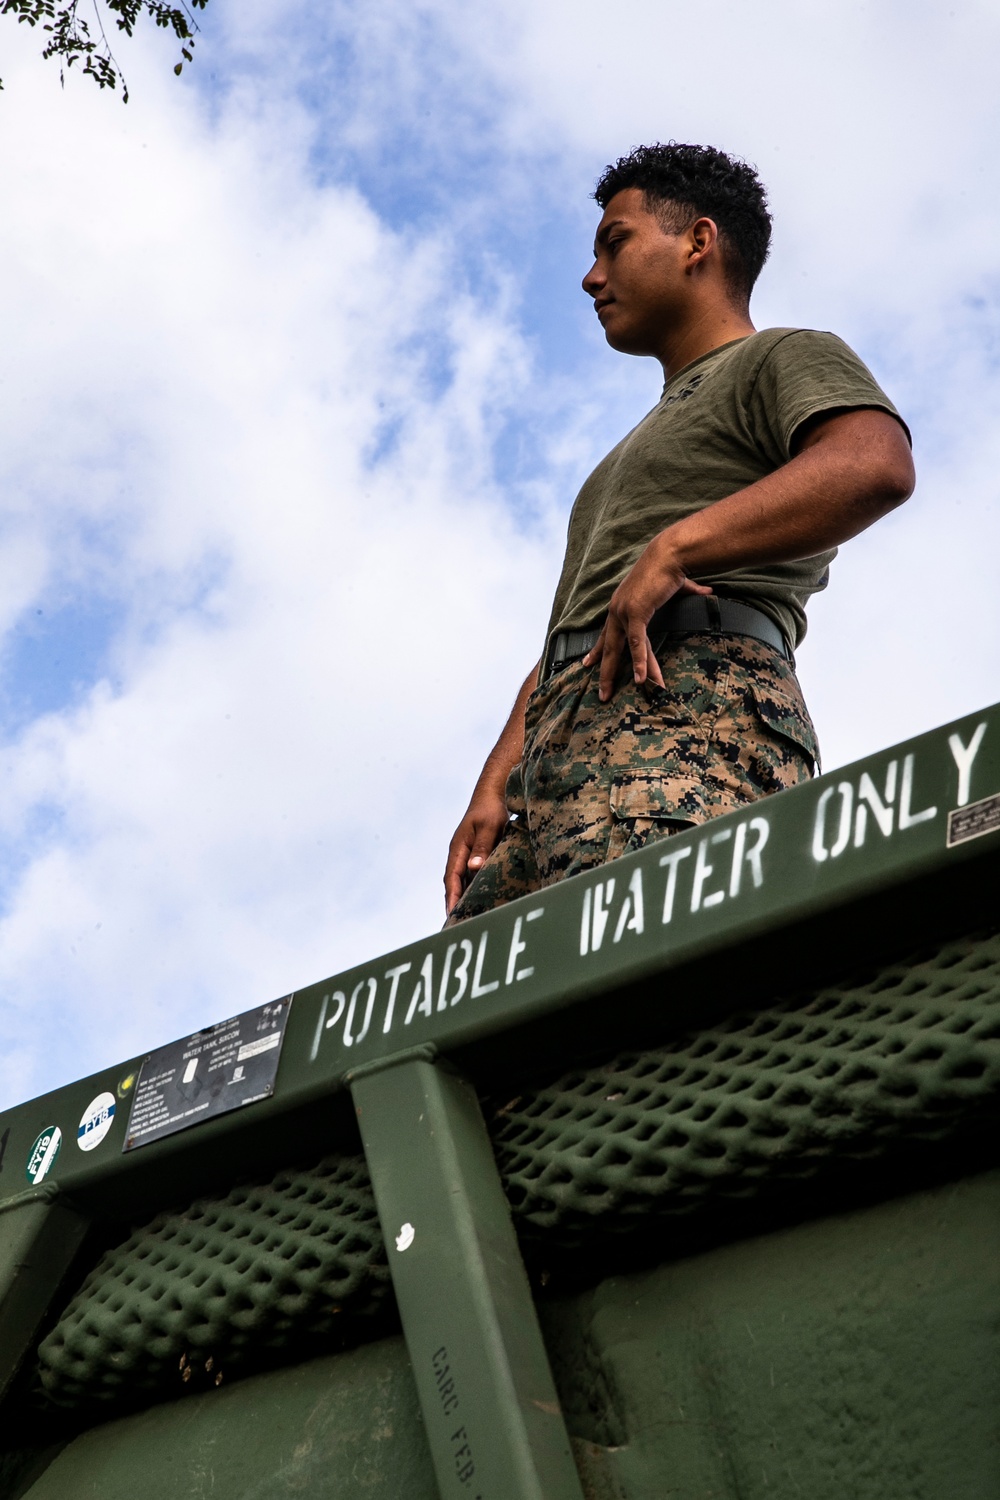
(682, 183)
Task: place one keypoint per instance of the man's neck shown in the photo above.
(707, 330)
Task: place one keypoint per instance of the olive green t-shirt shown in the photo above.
(723, 422)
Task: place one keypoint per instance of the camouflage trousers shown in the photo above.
(598, 780)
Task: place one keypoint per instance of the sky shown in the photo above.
(297, 385)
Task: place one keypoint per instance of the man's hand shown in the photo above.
(475, 837)
(654, 578)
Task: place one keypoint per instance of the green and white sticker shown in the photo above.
(43, 1154)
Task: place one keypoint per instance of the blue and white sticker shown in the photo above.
(43, 1154)
(98, 1118)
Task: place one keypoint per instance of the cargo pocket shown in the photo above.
(784, 750)
(645, 809)
(779, 703)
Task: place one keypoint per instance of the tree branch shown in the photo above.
(71, 42)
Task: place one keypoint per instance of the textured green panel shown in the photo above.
(765, 1102)
(905, 1053)
(342, 1428)
(220, 1284)
(853, 1358)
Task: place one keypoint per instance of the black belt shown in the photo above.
(679, 616)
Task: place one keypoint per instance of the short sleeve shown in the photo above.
(803, 374)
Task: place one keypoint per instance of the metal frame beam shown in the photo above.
(493, 1421)
(39, 1236)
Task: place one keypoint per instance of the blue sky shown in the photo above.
(296, 389)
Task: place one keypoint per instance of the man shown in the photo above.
(666, 694)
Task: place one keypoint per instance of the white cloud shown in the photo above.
(260, 418)
(315, 646)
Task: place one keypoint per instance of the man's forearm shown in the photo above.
(852, 471)
(507, 751)
(477, 835)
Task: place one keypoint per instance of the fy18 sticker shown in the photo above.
(98, 1118)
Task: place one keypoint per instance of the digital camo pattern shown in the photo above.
(598, 780)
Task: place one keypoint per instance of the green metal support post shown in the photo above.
(494, 1426)
(39, 1237)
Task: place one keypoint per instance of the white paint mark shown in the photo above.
(478, 988)
(349, 1039)
(462, 972)
(314, 1049)
(742, 855)
(819, 850)
(445, 976)
(422, 999)
(632, 915)
(603, 894)
(517, 947)
(868, 797)
(908, 819)
(670, 862)
(843, 838)
(964, 755)
(703, 871)
(762, 829)
(393, 976)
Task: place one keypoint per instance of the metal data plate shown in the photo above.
(207, 1074)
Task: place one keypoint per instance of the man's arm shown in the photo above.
(479, 831)
(850, 469)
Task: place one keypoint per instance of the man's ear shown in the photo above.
(702, 240)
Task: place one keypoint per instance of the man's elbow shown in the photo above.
(891, 475)
(897, 479)
(875, 452)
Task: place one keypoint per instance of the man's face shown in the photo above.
(638, 280)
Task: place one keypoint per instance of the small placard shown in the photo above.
(973, 821)
(208, 1074)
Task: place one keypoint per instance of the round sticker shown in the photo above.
(43, 1154)
(98, 1118)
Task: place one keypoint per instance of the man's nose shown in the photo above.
(593, 281)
